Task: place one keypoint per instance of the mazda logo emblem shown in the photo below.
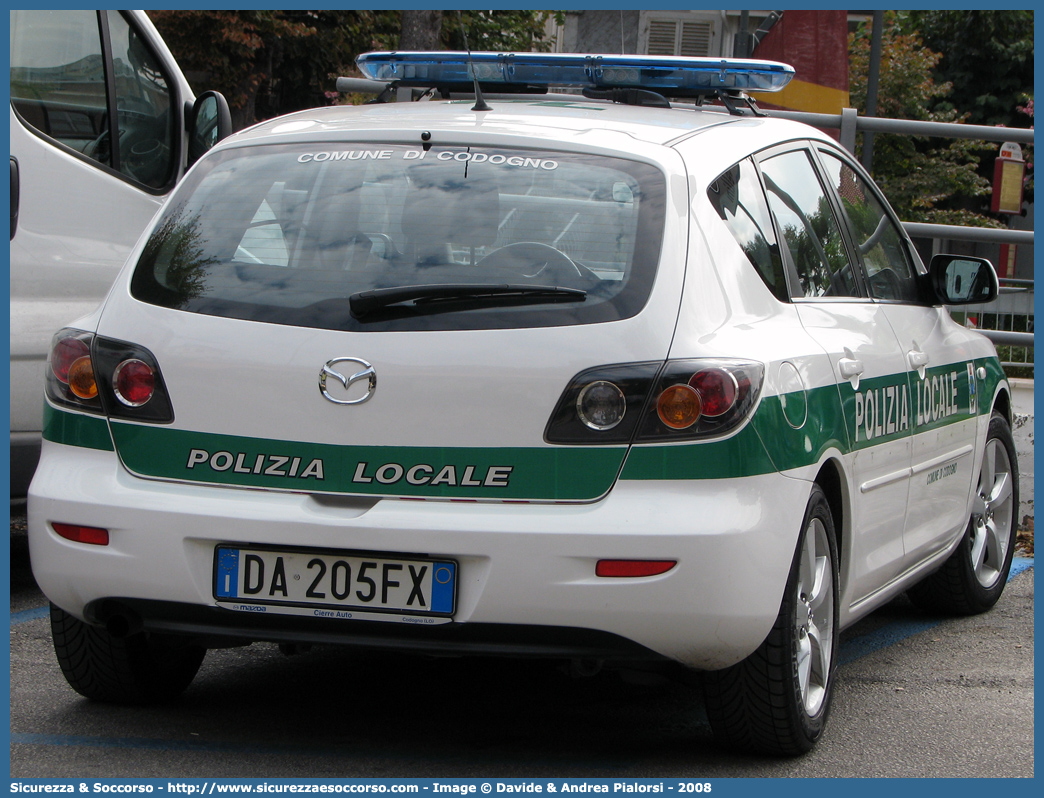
(367, 373)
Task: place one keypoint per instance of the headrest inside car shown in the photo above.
(451, 203)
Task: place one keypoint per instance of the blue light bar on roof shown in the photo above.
(655, 72)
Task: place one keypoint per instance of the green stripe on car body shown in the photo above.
(994, 375)
(880, 411)
(786, 432)
(548, 473)
(76, 429)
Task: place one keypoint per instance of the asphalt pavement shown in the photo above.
(916, 696)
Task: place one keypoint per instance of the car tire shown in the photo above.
(973, 577)
(776, 701)
(137, 669)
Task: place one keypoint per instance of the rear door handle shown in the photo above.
(918, 360)
(850, 368)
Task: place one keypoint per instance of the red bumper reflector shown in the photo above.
(633, 567)
(82, 534)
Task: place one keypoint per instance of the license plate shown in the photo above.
(334, 584)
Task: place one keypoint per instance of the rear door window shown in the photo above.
(808, 227)
(291, 235)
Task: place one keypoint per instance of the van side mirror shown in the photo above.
(962, 280)
(209, 122)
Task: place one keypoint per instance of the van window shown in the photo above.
(74, 86)
(58, 78)
(289, 234)
(144, 107)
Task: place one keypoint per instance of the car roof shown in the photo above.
(551, 117)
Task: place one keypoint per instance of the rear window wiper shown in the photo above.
(448, 297)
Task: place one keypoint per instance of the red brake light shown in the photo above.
(66, 352)
(82, 534)
(717, 388)
(633, 567)
(133, 382)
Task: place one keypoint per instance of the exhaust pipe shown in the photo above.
(583, 668)
(121, 622)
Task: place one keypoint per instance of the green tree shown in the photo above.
(987, 57)
(926, 180)
(268, 63)
(308, 67)
(502, 31)
(233, 49)
(421, 29)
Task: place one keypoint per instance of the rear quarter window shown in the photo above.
(738, 198)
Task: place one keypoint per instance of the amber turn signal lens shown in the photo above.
(679, 407)
(81, 378)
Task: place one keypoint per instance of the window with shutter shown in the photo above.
(678, 37)
(695, 39)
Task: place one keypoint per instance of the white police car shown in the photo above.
(588, 377)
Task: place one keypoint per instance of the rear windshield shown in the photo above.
(444, 238)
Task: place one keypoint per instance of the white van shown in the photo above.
(80, 196)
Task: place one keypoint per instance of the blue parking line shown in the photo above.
(1018, 565)
(886, 636)
(29, 615)
(896, 631)
(851, 650)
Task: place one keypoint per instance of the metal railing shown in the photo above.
(1008, 321)
(848, 122)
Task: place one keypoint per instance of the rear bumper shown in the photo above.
(523, 567)
(213, 627)
(25, 454)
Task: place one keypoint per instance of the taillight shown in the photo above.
(98, 374)
(677, 400)
(679, 407)
(133, 382)
(602, 405)
(701, 398)
(71, 378)
(64, 352)
(82, 383)
(718, 390)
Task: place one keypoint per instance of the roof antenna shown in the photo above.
(480, 104)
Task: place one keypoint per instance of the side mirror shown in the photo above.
(963, 280)
(209, 122)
